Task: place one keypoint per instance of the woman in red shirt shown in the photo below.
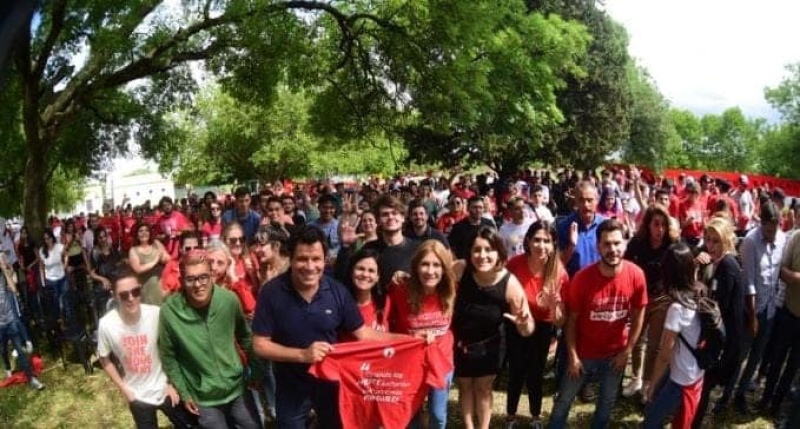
(543, 278)
(422, 305)
(245, 263)
(373, 304)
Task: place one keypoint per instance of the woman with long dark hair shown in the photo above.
(543, 278)
(646, 250)
(677, 377)
(52, 263)
(373, 304)
(147, 258)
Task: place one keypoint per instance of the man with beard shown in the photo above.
(420, 228)
(170, 225)
(600, 302)
(464, 231)
(201, 331)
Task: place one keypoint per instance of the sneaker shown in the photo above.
(36, 384)
(537, 424)
(8, 374)
(14, 354)
(28, 347)
(633, 387)
(511, 424)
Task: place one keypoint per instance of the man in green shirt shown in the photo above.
(200, 329)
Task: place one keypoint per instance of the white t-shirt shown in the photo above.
(136, 347)
(54, 262)
(542, 213)
(683, 368)
(513, 236)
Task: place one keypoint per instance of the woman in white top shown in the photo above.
(52, 264)
(678, 392)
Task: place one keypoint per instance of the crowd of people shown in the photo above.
(213, 310)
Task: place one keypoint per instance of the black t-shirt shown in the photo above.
(478, 311)
(393, 258)
(649, 260)
(463, 234)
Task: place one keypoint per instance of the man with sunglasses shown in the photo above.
(201, 332)
(130, 332)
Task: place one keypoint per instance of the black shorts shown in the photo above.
(480, 358)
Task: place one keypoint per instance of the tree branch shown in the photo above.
(58, 15)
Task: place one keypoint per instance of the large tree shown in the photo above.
(94, 74)
(596, 105)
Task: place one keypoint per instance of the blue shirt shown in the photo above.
(586, 249)
(249, 223)
(331, 231)
(289, 320)
(761, 262)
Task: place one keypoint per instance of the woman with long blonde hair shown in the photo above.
(422, 305)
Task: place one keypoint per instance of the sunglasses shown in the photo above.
(235, 240)
(188, 249)
(215, 209)
(202, 279)
(135, 293)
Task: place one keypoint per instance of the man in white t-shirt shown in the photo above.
(538, 204)
(513, 233)
(130, 332)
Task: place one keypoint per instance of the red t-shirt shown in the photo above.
(171, 277)
(126, 236)
(430, 318)
(696, 211)
(603, 306)
(369, 312)
(446, 221)
(212, 231)
(171, 227)
(532, 285)
(381, 383)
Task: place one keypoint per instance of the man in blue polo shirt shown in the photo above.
(577, 233)
(299, 316)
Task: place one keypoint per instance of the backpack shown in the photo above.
(712, 334)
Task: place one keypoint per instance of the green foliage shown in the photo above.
(650, 129)
(596, 105)
(223, 140)
(780, 152)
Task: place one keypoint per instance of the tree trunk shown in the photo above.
(34, 199)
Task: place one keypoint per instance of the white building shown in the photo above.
(137, 187)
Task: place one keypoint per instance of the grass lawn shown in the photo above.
(74, 400)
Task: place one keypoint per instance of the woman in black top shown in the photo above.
(726, 285)
(646, 249)
(487, 292)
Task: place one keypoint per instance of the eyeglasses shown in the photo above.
(135, 293)
(188, 249)
(215, 209)
(235, 240)
(202, 279)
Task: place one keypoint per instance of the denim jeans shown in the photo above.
(601, 370)
(11, 332)
(59, 288)
(437, 408)
(239, 414)
(672, 399)
(296, 397)
(759, 343)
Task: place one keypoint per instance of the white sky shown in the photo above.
(708, 55)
